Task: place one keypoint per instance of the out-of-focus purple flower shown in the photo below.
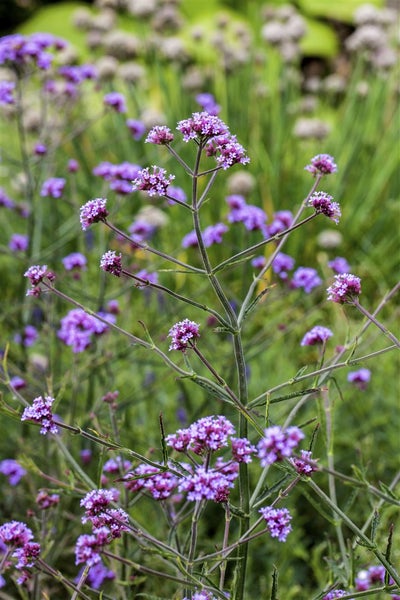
(281, 264)
(40, 149)
(147, 277)
(41, 412)
(17, 383)
(176, 194)
(306, 278)
(28, 337)
(227, 151)
(116, 465)
(183, 334)
(360, 378)
(323, 204)
(113, 307)
(304, 464)
(316, 335)
(7, 92)
(119, 176)
(76, 74)
(44, 500)
(111, 262)
(282, 220)
(116, 101)
(89, 547)
(5, 200)
(155, 183)
(259, 262)
(278, 444)
(334, 594)
(367, 577)
(18, 242)
(53, 187)
(74, 261)
(160, 135)
(12, 470)
(322, 164)
(73, 165)
(339, 265)
(235, 202)
(78, 328)
(213, 234)
(242, 450)
(203, 126)
(190, 240)
(19, 50)
(345, 288)
(97, 575)
(93, 212)
(208, 103)
(86, 456)
(278, 521)
(137, 128)
(253, 217)
(141, 230)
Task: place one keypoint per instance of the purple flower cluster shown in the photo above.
(202, 126)
(306, 278)
(203, 595)
(158, 482)
(12, 470)
(304, 464)
(208, 103)
(16, 537)
(74, 262)
(97, 575)
(183, 334)
(242, 450)
(281, 264)
(137, 128)
(41, 412)
(322, 204)
(207, 484)
(322, 164)
(205, 435)
(44, 500)
(367, 577)
(116, 101)
(334, 594)
(278, 521)
(78, 328)
(154, 182)
(339, 265)
(252, 217)
(28, 337)
(89, 546)
(213, 234)
(119, 176)
(100, 512)
(227, 151)
(345, 288)
(53, 187)
(360, 378)
(93, 212)
(7, 92)
(282, 220)
(141, 230)
(148, 278)
(18, 50)
(278, 444)
(316, 335)
(36, 275)
(160, 134)
(111, 263)
(76, 74)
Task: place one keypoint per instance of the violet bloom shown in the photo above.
(360, 378)
(282, 220)
(281, 264)
(202, 126)
(148, 278)
(74, 261)
(204, 435)
(190, 240)
(345, 288)
(278, 521)
(17, 383)
(227, 151)
(322, 204)
(159, 483)
(78, 328)
(7, 92)
(116, 101)
(44, 500)
(367, 577)
(73, 165)
(176, 194)
(316, 335)
(242, 450)
(213, 234)
(36, 274)
(137, 128)
(334, 594)
(15, 534)
(304, 464)
(183, 334)
(160, 134)
(322, 164)
(53, 187)
(155, 183)
(111, 262)
(258, 262)
(339, 265)
(40, 149)
(206, 484)
(12, 470)
(89, 547)
(18, 242)
(141, 230)
(97, 575)
(116, 465)
(306, 278)
(41, 412)
(28, 337)
(86, 456)
(208, 103)
(5, 200)
(278, 444)
(97, 501)
(93, 212)
(19, 50)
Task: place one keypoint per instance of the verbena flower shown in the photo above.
(304, 464)
(202, 126)
(12, 470)
(339, 265)
(141, 230)
(208, 103)
(137, 128)
(97, 501)
(53, 187)
(316, 335)
(78, 328)
(183, 334)
(160, 134)
(253, 217)
(281, 264)
(17, 50)
(282, 220)
(93, 212)
(258, 262)
(176, 194)
(7, 92)
(36, 274)
(147, 277)
(40, 149)
(206, 434)
(190, 240)
(213, 234)
(74, 261)
(17, 383)
(89, 547)
(323, 204)
(116, 101)
(73, 165)
(28, 337)
(334, 594)
(41, 412)
(242, 450)
(367, 577)
(227, 151)
(44, 500)
(97, 575)
(278, 521)
(306, 278)
(206, 484)
(360, 378)
(159, 483)
(5, 200)
(203, 595)
(154, 182)
(345, 288)
(277, 444)
(111, 262)
(322, 164)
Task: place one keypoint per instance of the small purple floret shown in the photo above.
(93, 212)
(183, 334)
(278, 521)
(345, 288)
(316, 335)
(322, 164)
(41, 412)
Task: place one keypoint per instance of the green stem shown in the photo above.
(371, 318)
